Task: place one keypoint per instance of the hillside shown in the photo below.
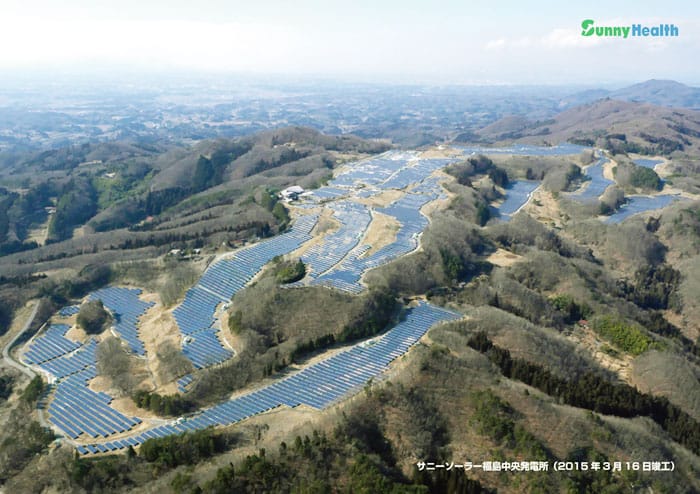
(613, 124)
(554, 327)
(111, 187)
(656, 92)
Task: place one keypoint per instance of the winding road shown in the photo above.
(7, 359)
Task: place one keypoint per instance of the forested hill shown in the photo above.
(619, 126)
(103, 187)
(97, 204)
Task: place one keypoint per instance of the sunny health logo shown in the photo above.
(589, 28)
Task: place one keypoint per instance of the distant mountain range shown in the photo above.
(654, 91)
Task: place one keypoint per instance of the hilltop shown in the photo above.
(609, 123)
(654, 91)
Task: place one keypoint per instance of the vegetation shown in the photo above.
(6, 314)
(357, 454)
(180, 278)
(595, 393)
(93, 317)
(627, 337)
(483, 213)
(21, 440)
(78, 203)
(573, 311)
(654, 287)
(33, 391)
(170, 405)
(6, 385)
(172, 362)
(464, 171)
(645, 178)
(289, 271)
(495, 418)
(183, 449)
(114, 363)
(276, 326)
(559, 275)
(106, 474)
(498, 176)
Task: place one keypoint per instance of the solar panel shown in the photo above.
(318, 385)
(126, 307)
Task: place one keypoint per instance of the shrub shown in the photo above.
(629, 338)
(93, 317)
(645, 178)
(33, 390)
(289, 272)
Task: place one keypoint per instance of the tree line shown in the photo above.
(593, 392)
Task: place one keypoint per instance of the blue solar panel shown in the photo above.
(597, 183)
(70, 364)
(69, 310)
(184, 382)
(49, 345)
(318, 385)
(75, 409)
(517, 195)
(126, 307)
(639, 204)
(195, 315)
(562, 149)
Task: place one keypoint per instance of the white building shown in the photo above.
(292, 193)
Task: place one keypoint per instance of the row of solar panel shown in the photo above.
(406, 211)
(204, 349)
(225, 278)
(219, 276)
(373, 171)
(197, 311)
(69, 310)
(127, 308)
(184, 382)
(70, 364)
(414, 174)
(354, 219)
(51, 344)
(195, 316)
(318, 385)
(76, 409)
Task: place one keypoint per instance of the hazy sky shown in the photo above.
(463, 41)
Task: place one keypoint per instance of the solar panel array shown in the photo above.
(640, 204)
(204, 348)
(597, 184)
(51, 344)
(562, 149)
(354, 219)
(126, 307)
(76, 409)
(373, 171)
(346, 276)
(647, 163)
(184, 382)
(415, 172)
(317, 386)
(195, 316)
(339, 264)
(75, 362)
(326, 192)
(517, 194)
(69, 310)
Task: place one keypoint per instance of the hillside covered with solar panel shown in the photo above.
(291, 296)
